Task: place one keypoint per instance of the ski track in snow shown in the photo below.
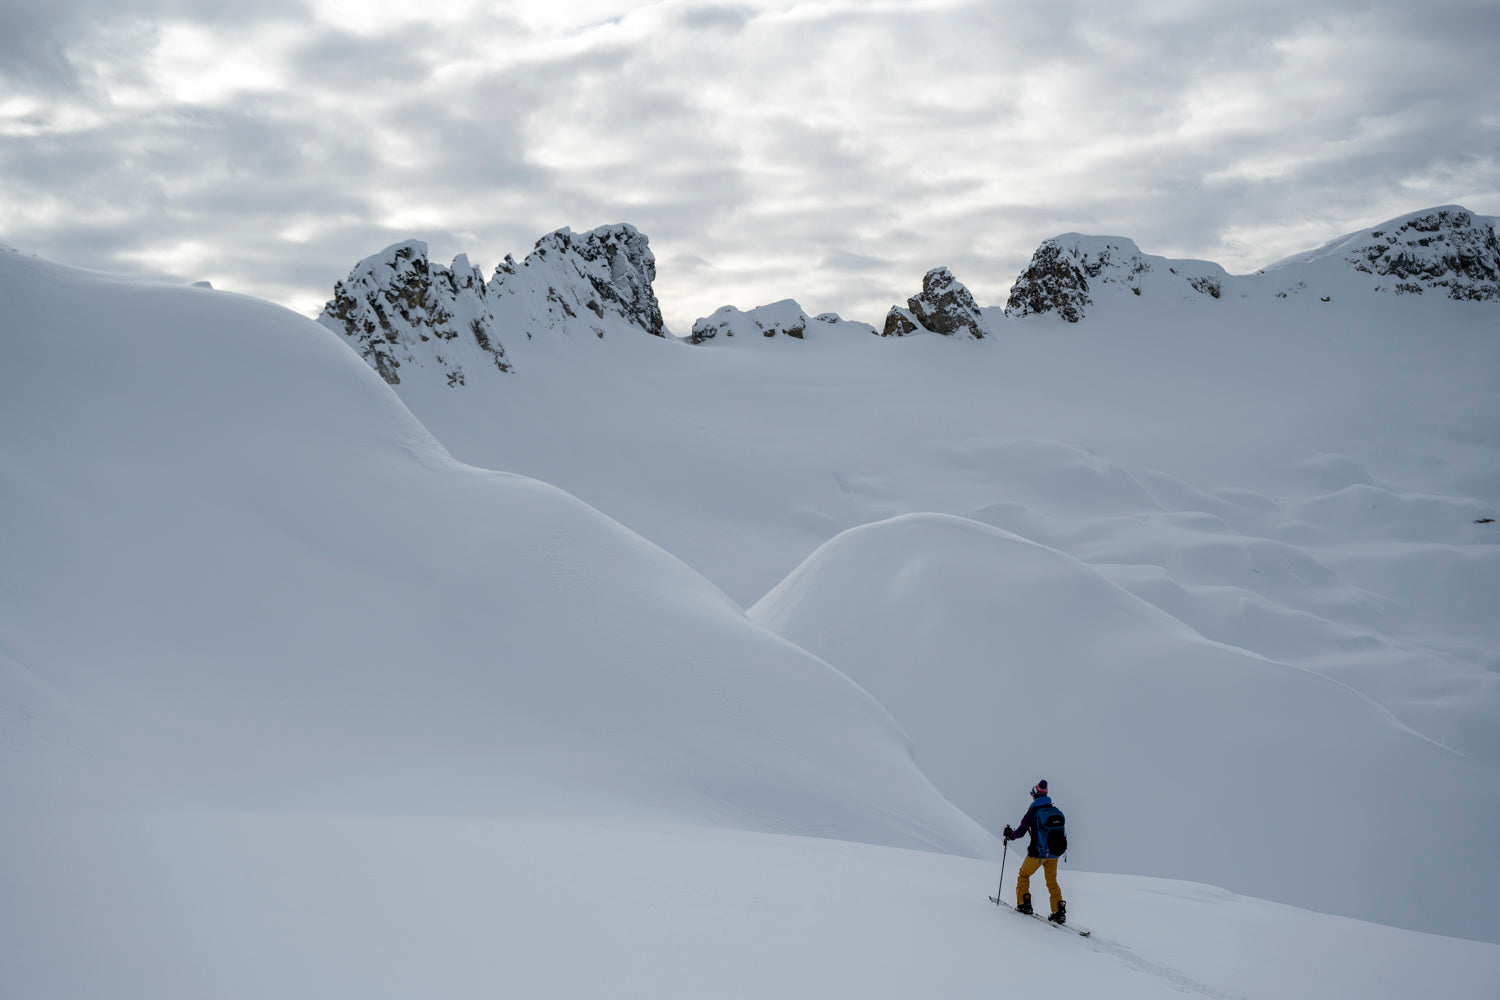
(1180, 982)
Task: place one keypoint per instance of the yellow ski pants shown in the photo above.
(1028, 869)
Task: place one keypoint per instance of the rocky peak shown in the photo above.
(1052, 282)
(944, 306)
(400, 309)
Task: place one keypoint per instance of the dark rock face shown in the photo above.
(1052, 281)
(1446, 250)
(900, 322)
(944, 306)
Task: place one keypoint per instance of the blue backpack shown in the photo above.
(1051, 838)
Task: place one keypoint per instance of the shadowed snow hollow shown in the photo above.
(251, 579)
(1007, 661)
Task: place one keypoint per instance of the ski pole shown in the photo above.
(1000, 892)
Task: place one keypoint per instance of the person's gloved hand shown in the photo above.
(1010, 834)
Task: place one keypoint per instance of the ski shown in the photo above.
(1080, 931)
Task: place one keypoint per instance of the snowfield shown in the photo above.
(297, 701)
(254, 905)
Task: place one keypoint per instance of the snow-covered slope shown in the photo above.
(250, 578)
(1007, 661)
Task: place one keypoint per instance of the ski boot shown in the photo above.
(1025, 905)
(1061, 916)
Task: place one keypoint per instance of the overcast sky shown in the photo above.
(829, 152)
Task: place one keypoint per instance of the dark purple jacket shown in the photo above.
(1028, 825)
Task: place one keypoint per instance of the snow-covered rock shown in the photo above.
(1067, 271)
(401, 310)
(943, 306)
(397, 308)
(786, 318)
(1448, 250)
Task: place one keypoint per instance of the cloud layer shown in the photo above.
(828, 151)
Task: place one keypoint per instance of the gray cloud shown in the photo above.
(716, 17)
(828, 152)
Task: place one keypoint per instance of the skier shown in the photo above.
(1038, 855)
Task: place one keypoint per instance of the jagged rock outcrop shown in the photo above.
(1447, 250)
(399, 309)
(597, 280)
(944, 306)
(1067, 272)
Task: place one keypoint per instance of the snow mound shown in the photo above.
(1172, 755)
(251, 579)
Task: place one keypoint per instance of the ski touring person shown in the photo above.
(1043, 821)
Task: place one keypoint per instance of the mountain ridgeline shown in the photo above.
(403, 312)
